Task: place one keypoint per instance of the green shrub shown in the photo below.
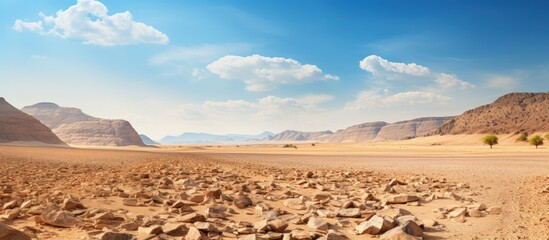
(490, 140)
(523, 137)
(536, 140)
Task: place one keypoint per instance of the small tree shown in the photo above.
(547, 136)
(536, 140)
(490, 140)
(523, 137)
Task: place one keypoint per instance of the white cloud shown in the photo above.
(379, 66)
(314, 99)
(450, 80)
(261, 73)
(374, 99)
(89, 21)
(388, 70)
(27, 26)
(502, 82)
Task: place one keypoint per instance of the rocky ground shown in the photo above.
(193, 196)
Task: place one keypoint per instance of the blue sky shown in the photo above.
(250, 66)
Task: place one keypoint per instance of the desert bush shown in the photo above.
(289, 146)
(523, 137)
(536, 140)
(313, 144)
(490, 140)
(547, 136)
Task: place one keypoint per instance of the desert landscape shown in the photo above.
(435, 186)
(274, 120)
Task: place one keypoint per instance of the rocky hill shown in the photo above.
(16, 125)
(75, 127)
(510, 114)
(291, 135)
(382, 131)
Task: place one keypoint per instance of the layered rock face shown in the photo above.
(16, 125)
(291, 135)
(75, 127)
(382, 131)
(410, 129)
(357, 133)
(510, 114)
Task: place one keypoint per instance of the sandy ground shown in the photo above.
(510, 176)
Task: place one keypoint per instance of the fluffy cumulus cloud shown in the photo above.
(89, 21)
(261, 73)
(382, 99)
(446, 80)
(386, 69)
(383, 67)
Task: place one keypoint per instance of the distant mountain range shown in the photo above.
(49, 123)
(195, 138)
(365, 132)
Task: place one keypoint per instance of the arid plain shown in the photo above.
(452, 187)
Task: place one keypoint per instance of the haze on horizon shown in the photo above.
(248, 67)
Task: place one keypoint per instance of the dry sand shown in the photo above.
(511, 176)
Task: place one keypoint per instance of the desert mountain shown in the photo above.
(16, 125)
(382, 131)
(191, 138)
(147, 140)
(75, 127)
(291, 135)
(509, 114)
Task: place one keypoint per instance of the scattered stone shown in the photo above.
(195, 234)
(8, 233)
(192, 218)
(242, 201)
(116, 236)
(53, 215)
(376, 225)
(401, 198)
(318, 224)
(175, 229)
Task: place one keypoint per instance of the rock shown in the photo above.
(247, 237)
(242, 201)
(116, 236)
(53, 215)
(11, 214)
(376, 225)
(195, 234)
(8, 233)
(409, 231)
(318, 224)
(278, 225)
(334, 236)
(349, 212)
(458, 212)
(205, 227)
(301, 235)
(322, 196)
(130, 202)
(262, 226)
(10, 205)
(474, 213)
(175, 229)
(401, 198)
(152, 230)
(71, 203)
(192, 217)
(430, 222)
(215, 212)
